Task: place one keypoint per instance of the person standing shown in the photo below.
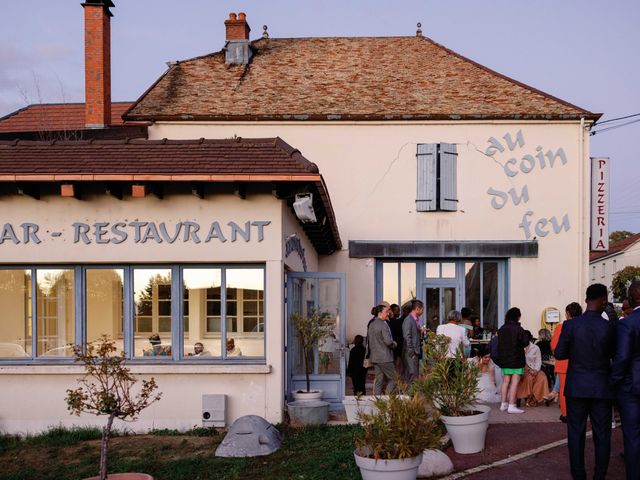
(588, 342)
(625, 377)
(355, 368)
(511, 343)
(411, 341)
(395, 324)
(572, 310)
(455, 332)
(381, 347)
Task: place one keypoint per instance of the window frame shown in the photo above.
(177, 320)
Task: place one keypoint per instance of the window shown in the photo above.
(399, 282)
(15, 326)
(437, 177)
(220, 315)
(482, 292)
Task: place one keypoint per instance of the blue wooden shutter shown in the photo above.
(427, 177)
(448, 177)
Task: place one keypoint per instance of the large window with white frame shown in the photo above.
(153, 313)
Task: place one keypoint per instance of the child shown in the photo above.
(355, 369)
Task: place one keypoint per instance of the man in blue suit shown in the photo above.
(588, 342)
(625, 377)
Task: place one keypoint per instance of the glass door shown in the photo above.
(325, 294)
(439, 301)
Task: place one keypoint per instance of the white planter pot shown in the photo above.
(372, 469)
(354, 405)
(311, 412)
(307, 396)
(468, 433)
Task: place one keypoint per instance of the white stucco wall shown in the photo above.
(33, 395)
(370, 171)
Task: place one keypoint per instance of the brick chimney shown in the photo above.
(97, 63)
(237, 48)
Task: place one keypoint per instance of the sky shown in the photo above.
(583, 51)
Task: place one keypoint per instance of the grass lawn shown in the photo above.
(321, 452)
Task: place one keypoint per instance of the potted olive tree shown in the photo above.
(107, 389)
(394, 436)
(307, 407)
(310, 330)
(451, 384)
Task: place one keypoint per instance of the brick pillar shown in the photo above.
(97, 63)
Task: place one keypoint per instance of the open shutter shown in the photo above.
(427, 177)
(448, 177)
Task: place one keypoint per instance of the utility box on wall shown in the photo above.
(214, 409)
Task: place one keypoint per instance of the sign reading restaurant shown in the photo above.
(137, 231)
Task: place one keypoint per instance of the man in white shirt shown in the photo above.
(455, 332)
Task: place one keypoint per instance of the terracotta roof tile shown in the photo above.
(615, 247)
(54, 116)
(141, 156)
(244, 160)
(344, 78)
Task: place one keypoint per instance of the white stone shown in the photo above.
(434, 464)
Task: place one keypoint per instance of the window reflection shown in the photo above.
(15, 323)
(202, 313)
(433, 270)
(245, 312)
(407, 282)
(152, 312)
(490, 295)
(55, 312)
(389, 282)
(104, 294)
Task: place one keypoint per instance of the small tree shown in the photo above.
(310, 330)
(622, 280)
(451, 384)
(619, 235)
(107, 389)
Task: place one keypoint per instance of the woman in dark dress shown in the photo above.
(511, 343)
(355, 368)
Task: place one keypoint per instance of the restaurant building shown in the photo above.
(449, 182)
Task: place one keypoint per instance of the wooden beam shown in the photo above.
(138, 191)
(70, 190)
(29, 190)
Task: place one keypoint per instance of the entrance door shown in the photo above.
(439, 301)
(324, 292)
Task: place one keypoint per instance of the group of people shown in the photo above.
(595, 358)
(393, 347)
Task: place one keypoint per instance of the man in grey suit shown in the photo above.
(411, 344)
(381, 347)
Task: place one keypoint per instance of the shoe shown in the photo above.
(514, 409)
(563, 419)
(504, 406)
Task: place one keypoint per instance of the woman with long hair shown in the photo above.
(511, 343)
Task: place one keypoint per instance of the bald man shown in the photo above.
(626, 378)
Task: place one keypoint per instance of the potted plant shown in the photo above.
(310, 330)
(452, 386)
(107, 389)
(394, 436)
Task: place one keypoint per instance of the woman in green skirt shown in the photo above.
(511, 343)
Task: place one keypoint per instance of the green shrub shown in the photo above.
(400, 428)
(451, 384)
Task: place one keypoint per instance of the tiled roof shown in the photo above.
(367, 78)
(54, 116)
(615, 248)
(140, 160)
(271, 156)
